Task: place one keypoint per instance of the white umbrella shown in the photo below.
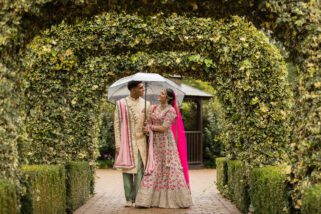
(154, 83)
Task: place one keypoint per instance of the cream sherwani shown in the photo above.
(136, 123)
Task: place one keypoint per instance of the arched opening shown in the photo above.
(82, 59)
(69, 66)
(297, 33)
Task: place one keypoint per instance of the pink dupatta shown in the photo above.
(150, 162)
(179, 134)
(124, 159)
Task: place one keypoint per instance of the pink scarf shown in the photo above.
(124, 159)
(179, 134)
(150, 162)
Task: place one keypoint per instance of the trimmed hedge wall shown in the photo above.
(79, 179)
(221, 175)
(46, 189)
(268, 190)
(8, 198)
(238, 190)
(311, 203)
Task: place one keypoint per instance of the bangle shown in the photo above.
(152, 128)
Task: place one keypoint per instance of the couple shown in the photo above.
(159, 178)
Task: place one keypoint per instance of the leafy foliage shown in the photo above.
(311, 202)
(70, 66)
(213, 127)
(9, 123)
(106, 135)
(46, 189)
(237, 182)
(269, 191)
(221, 175)
(79, 181)
(11, 129)
(8, 198)
(296, 24)
(213, 122)
(189, 115)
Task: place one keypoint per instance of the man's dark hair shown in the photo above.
(132, 84)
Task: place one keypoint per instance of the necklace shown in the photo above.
(163, 106)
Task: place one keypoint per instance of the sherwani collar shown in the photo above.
(133, 99)
(132, 105)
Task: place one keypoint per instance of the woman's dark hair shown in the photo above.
(171, 96)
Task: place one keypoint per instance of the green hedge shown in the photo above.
(46, 189)
(79, 181)
(268, 190)
(105, 164)
(221, 175)
(8, 198)
(311, 203)
(238, 184)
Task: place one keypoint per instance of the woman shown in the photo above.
(164, 184)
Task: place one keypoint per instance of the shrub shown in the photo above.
(46, 189)
(311, 203)
(238, 184)
(268, 190)
(8, 198)
(221, 175)
(105, 164)
(79, 177)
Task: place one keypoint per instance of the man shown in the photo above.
(130, 140)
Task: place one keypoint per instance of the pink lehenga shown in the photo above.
(165, 183)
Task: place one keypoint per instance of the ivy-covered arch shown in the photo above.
(295, 24)
(68, 67)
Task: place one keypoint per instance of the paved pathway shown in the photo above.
(109, 197)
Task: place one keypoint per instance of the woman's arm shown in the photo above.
(148, 118)
(168, 120)
(161, 129)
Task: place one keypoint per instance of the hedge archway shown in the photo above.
(68, 67)
(295, 24)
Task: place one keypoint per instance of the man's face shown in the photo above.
(139, 89)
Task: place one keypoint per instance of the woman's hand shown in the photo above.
(146, 127)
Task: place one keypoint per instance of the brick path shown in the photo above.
(109, 197)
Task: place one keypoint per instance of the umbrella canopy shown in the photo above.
(154, 83)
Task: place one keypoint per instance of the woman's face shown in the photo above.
(162, 97)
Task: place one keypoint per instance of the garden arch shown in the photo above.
(293, 23)
(68, 68)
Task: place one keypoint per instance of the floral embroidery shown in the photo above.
(167, 182)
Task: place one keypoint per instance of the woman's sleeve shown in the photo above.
(169, 117)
